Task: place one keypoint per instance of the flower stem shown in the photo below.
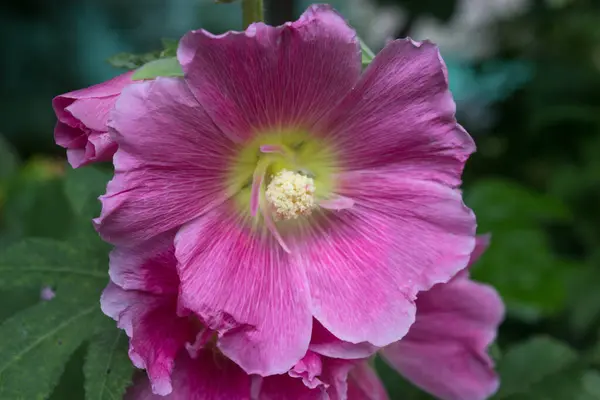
(252, 11)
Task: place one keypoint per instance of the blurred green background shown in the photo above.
(526, 77)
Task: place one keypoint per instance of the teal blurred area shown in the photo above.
(526, 78)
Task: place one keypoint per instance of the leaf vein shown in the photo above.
(112, 352)
(44, 337)
(92, 274)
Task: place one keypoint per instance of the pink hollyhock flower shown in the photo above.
(178, 351)
(445, 350)
(297, 187)
(82, 118)
(211, 376)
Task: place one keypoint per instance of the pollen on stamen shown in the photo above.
(291, 195)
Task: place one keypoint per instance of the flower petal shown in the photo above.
(153, 192)
(364, 384)
(242, 284)
(366, 264)
(335, 375)
(284, 387)
(272, 77)
(157, 333)
(150, 267)
(482, 242)
(326, 344)
(96, 96)
(308, 369)
(334, 385)
(84, 113)
(209, 376)
(444, 352)
(401, 113)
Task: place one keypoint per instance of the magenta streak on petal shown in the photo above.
(337, 203)
(273, 229)
(257, 182)
(272, 148)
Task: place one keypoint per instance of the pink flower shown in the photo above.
(297, 187)
(178, 351)
(82, 118)
(445, 351)
(210, 376)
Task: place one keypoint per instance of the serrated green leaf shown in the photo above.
(45, 262)
(81, 184)
(169, 47)
(528, 363)
(107, 367)
(70, 384)
(367, 54)
(36, 343)
(17, 299)
(132, 61)
(162, 67)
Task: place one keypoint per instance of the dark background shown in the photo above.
(526, 77)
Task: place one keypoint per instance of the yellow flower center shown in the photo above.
(282, 176)
(291, 195)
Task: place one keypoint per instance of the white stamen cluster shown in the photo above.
(291, 194)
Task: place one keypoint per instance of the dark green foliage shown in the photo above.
(107, 368)
(40, 337)
(134, 61)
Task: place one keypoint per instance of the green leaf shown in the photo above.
(81, 184)
(132, 61)
(502, 204)
(566, 384)
(529, 363)
(584, 302)
(521, 266)
(42, 339)
(107, 367)
(367, 54)
(169, 47)
(520, 262)
(70, 385)
(45, 262)
(16, 299)
(36, 204)
(591, 385)
(162, 67)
